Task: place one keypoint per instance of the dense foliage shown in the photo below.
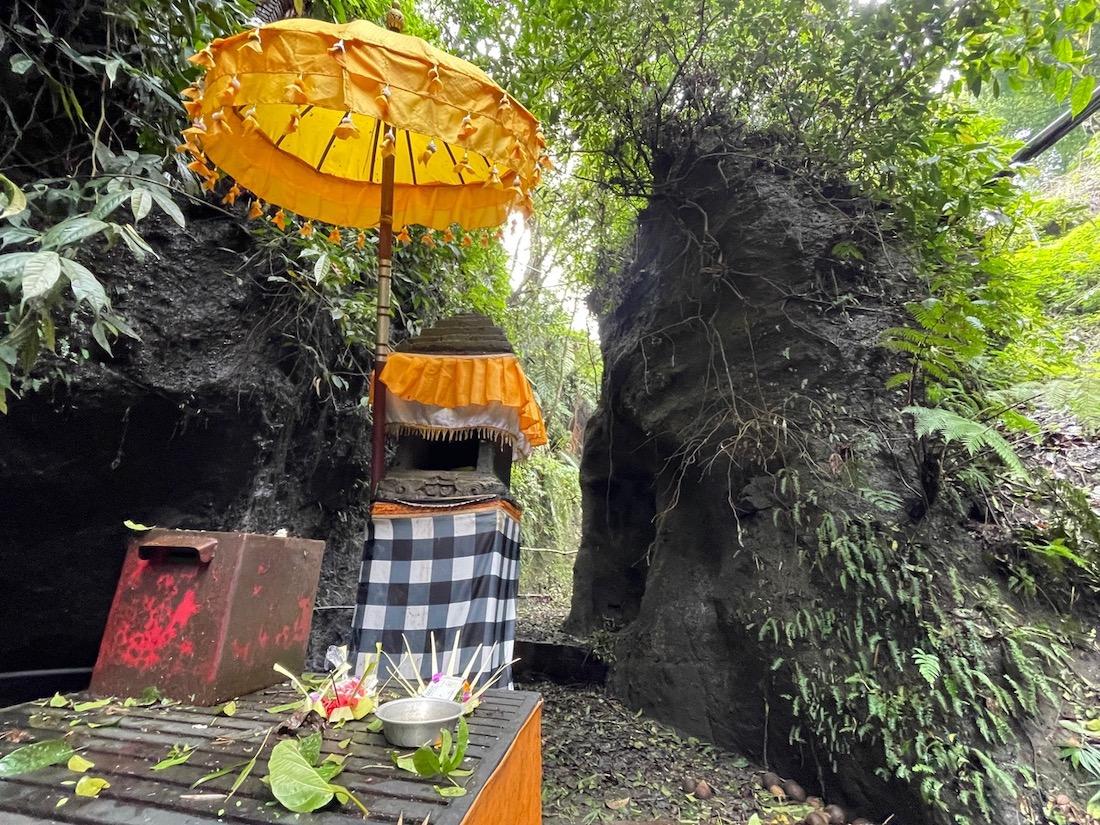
(905, 102)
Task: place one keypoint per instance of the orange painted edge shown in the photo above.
(391, 509)
(512, 795)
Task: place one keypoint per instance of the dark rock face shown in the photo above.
(735, 368)
(205, 424)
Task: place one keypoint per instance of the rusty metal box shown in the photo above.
(205, 616)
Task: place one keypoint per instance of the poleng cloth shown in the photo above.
(443, 572)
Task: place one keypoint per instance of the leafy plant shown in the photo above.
(298, 783)
(974, 436)
(445, 762)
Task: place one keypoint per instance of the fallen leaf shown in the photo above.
(92, 705)
(617, 804)
(136, 526)
(61, 801)
(91, 786)
(58, 701)
(18, 735)
(229, 708)
(176, 756)
(78, 764)
(35, 757)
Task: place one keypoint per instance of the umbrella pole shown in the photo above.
(382, 348)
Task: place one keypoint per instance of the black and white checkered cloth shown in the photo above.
(442, 573)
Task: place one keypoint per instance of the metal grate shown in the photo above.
(124, 753)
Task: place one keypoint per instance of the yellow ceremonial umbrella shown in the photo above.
(359, 126)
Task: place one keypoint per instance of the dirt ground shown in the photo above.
(605, 763)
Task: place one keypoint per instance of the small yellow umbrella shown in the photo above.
(354, 125)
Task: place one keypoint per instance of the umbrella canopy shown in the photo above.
(304, 113)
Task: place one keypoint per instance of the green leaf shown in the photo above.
(229, 708)
(140, 528)
(20, 63)
(310, 747)
(140, 203)
(1081, 95)
(176, 756)
(135, 242)
(228, 769)
(1063, 49)
(16, 200)
(58, 701)
(84, 284)
(40, 273)
(426, 762)
(330, 770)
(111, 68)
(151, 695)
(71, 231)
(167, 205)
(1062, 82)
(12, 263)
(34, 757)
(109, 204)
(94, 704)
(99, 333)
(79, 764)
(294, 782)
(91, 786)
(450, 791)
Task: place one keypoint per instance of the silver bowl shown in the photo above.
(416, 721)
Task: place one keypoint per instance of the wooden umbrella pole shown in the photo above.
(385, 313)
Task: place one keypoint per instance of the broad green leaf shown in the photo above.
(310, 747)
(140, 203)
(294, 782)
(320, 268)
(58, 701)
(10, 235)
(94, 704)
(140, 528)
(84, 284)
(16, 200)
(34, 757)
(1063, 49)
(91, 786)
(40, 273)
(164, 200)
(229, 708)
(109, 204)
(1081, 95)
(330, 770)
(1062, 82)
(79, 764)
(71, 231)
(12, 263)
(426, 762)
(151, 695)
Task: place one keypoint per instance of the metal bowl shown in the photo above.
(416, 721)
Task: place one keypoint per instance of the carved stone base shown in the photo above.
(438, 485)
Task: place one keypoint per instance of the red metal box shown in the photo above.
(205, 616)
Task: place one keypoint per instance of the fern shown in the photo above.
(975, 436)
(929, 666)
